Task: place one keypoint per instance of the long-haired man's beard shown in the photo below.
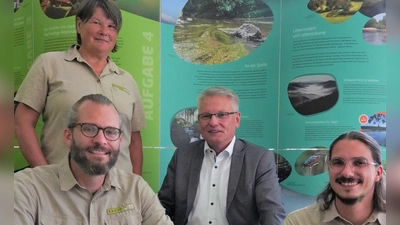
(91, 167)
(349, 200)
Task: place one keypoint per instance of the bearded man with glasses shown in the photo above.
(222, 179)
(85, 187)
(356, 190)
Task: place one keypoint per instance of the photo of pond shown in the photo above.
(374, 31)
(376, 127)
(219, 32)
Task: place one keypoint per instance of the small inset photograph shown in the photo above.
(371, 8)
(217, 32)
(283, 166)
(374, 31)
(312, 162)
(375, 127)
(57, 9)
(184, 127)
(335, 11)
(311, 94)
(17, 4)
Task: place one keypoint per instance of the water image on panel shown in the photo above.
(335, 11)
(376, 127)
(310, 94)
(374, 31)
(312, 162)
(217, 32)
(184, 127)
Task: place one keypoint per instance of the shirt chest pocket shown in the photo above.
(125, 218)
(58, 220)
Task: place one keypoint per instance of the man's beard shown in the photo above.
(89, 167)
(348, 200)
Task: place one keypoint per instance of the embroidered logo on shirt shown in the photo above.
(120, 209)
(120, 88)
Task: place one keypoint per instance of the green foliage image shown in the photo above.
(217, 32)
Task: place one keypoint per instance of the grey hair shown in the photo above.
(73, 115)
(219, 91)
(379, 197)
(87, 8)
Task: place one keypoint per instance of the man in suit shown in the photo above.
(221, 179)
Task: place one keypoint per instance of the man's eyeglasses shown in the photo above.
(220, 116)
(337, 165)
(91, 130)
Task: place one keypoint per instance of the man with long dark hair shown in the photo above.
(356, 190)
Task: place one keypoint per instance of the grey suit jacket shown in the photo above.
(254, 195)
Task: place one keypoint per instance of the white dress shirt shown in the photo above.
(209, 206)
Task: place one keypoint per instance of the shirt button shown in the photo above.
(210, 222)
(98, 81)
(212, 203)
(213, 185)
(215, 167)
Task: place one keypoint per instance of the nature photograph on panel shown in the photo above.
(184, 127)
(58, 9)
(374, 31)
(217, 32)
(17, 4)
(283, 166)
(375, 126)
(312, 162)
(372, 8)
(335, 11)
(311, 94)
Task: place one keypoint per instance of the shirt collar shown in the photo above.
(228, 149)
(68, 181)
(73, 54)
(331, 214)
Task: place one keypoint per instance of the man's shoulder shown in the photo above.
(248, 144)
(53, 55)
(251, 148)
(311, 208)
(192, 146)
(306, 212)
(123, 173)
(32, 175)
(125, 178)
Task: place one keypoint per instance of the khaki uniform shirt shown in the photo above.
(313, 215)
(58, 79)
(51, 195)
